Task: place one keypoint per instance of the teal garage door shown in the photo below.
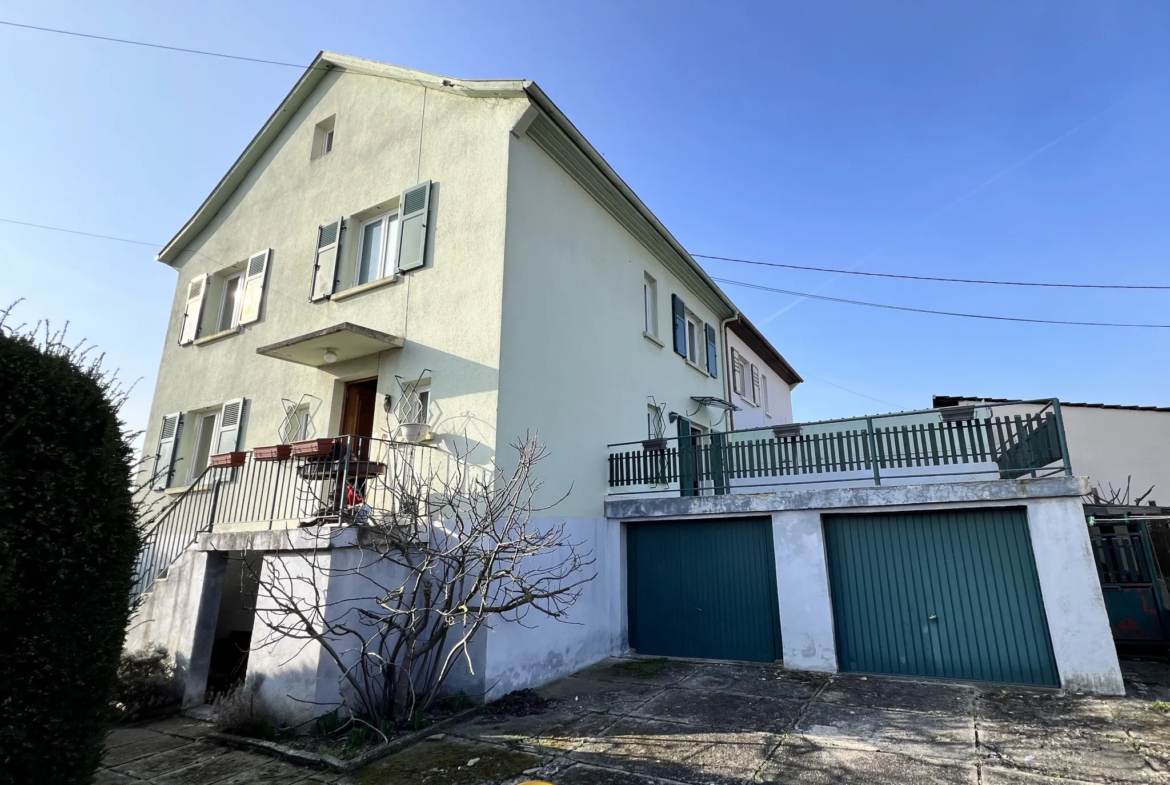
(949, 594)
(703, 589)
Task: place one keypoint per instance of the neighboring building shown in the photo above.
(1113, 445)
(761, 381)
(401, 256)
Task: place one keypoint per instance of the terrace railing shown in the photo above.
(994, 441)
(334, 481)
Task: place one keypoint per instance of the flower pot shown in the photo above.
(228, 459)
(654, 444)
(313, 448)
(414, 432)
(277, 452)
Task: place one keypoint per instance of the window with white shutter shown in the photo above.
(755, 385)
(253, 292)
(325, 261)
(414, 208)
(193, 311)
(228, 433)
(168, 443)
(737, 378)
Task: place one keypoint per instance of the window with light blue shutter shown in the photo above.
(712, 352)
(415, 207)
(679, 314)
(168, 443)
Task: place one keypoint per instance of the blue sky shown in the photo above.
(989, 139)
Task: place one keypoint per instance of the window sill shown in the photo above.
(653, 339)
(217, 336)
(178, 489)
(698, 368)
(354, 291)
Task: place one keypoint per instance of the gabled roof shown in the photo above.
(559, 137)
(942, 401)
(755, 340)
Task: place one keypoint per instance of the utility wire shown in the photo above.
(720, 280)
(929, 277)
(935, 313)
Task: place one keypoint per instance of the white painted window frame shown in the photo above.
(384, 263)
(235, 320)
(197, 444)
(327, 141)
(650, 304)
(696, 340)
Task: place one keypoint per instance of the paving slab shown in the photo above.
(582, 774)
(615, 697)
(188, 727)
(448, 762)
(111, 777)
(147, 745)
(799, 760)
(570, 735)
(722, 710)
(762, 681)
(510, 730)
(1032, 709)
(120, 737)
(900, 694)
(1141, 719)
(273, 772)
(928, 736)
(212, 769)
(171, 760)
(996, 775)
(678, 752)
(1058, 751)
(659, 671)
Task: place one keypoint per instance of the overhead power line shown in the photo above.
(935, 313)
(929, 277)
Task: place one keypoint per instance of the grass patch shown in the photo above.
(643, 669)
(1162, 707)
(446, 763)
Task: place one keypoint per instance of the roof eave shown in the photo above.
(751, 335)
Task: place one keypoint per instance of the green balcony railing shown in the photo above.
(991, 441)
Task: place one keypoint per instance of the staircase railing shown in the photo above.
(178, 526)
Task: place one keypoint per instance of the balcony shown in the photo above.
(998, 441)
(323, 482)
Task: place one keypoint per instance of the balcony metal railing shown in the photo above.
(992, 441)
(349, 477)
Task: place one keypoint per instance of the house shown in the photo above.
(403, 269)
(761, 380)
(1114, 445)
(399, 258)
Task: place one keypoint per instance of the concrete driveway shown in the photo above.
(625, 722)
(641, 722)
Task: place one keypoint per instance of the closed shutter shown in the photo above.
(412, 226)
(168, 444)
(679, 314)
(755, 385)
(228, 437)
(193, 311)
(325, 263)
(712, 351)
(254, 286)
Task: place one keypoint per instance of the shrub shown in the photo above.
(68, 544)
(146, 684)
(238, 711)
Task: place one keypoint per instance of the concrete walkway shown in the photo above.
(638, 722)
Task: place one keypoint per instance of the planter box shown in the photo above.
(277, 452)
(654, 444)
(313, 448)
(226, 459)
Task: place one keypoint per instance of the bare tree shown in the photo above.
(439, 555)
(1117, 496)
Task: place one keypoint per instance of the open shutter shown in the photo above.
(679, 312)
(168, 444)
(736, 372)
(412, 226)
(193, 312)
(254, 286)
(712, 352)
(228, 437)
(688, 469)
(755, 385)
(325, 263)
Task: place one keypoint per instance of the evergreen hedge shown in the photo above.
(68, 544)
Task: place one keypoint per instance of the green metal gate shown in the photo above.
(703, 589)
(949, 594)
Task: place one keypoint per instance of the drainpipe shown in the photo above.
(727, 368)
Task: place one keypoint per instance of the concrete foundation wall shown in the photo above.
(544, 649)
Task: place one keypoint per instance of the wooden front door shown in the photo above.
(357, 413)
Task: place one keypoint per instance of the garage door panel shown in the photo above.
(703, 589)
(950, 594)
